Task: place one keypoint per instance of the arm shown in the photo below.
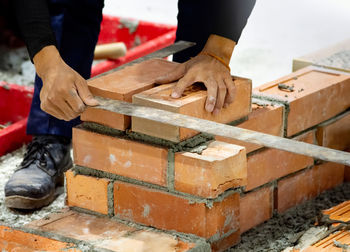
(64, 93)
(214, 26)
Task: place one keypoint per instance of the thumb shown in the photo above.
(172, 76)
(85, 93)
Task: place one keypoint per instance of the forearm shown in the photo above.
(34, 22)
(198, 19)
(220, 47)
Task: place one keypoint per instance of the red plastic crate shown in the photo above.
(15, 104)
(15, 100)
(147, 38)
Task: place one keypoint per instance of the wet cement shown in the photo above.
(283, 230)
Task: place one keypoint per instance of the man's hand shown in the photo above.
(204, 68)
(65, 93)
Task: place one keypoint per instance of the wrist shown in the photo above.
(220, 46)
(47, 58)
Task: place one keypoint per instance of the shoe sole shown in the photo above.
(22, 202)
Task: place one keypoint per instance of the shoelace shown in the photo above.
(37, 150)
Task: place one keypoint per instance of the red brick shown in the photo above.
(296, 189)
(347, 174)
(109, 234)
(121, 85)
(255, 208)
(226, 243)
(192, 103)
(308, 184)
(171, 212)
(120, 156)
(347, 171)
(329, 175)
(270, 164)
(336, 133)
(266, 119)
(219, 167)
(87, 192)
(16, 240)
(313, 99)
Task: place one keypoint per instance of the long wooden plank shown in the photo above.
(224, 130)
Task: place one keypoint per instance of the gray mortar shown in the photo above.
(110, 195)
(283, 230)
(276, 100)
(188, 145)
(191, 198)
(171, 170)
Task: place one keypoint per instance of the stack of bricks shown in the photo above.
(154, 182)
(172, 178)
(310, 105)
(154, 174)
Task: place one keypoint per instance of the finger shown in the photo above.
(212, 90)
(53, 110)
(67, 110)
(84, 92)
(231, 91)
(181, 85)
(220, 96)
(172, 76)
(75, 102)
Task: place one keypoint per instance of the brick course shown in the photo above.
(122, 85)
(311, 96)
(171, 212)
(192, 103)
(120, 156)
(270, 164)
(335, 134)
(263, 118)
(308, 184)
(256, 207)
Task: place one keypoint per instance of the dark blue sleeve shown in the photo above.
(197, 19)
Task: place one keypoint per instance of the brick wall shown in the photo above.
(211, 188)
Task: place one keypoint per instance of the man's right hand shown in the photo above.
(65, 93)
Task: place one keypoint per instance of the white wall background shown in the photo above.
(277, 31)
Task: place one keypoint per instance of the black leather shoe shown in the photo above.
(33, 184)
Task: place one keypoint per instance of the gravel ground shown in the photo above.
(283, 230)
(8, 164)
(15, 66)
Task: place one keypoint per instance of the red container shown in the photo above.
(15, 103)
(140, 38)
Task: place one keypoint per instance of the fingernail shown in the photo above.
(211, 98)
(216, 111)
(175, 95)
(209, 107)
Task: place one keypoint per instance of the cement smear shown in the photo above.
(283, 230)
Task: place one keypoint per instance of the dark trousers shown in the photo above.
(76, 25)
